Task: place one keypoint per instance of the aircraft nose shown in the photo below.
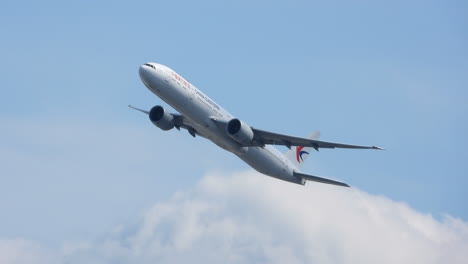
(143, 71)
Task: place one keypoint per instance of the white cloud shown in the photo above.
(246, 217)
(250, 218)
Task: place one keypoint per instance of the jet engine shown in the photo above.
(240, 131)
(161, 118)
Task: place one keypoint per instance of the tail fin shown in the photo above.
(297, 155)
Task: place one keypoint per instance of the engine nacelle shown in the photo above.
(161, 118)
(240, 131)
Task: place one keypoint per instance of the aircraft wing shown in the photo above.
(270, 138)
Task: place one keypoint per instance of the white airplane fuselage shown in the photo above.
(199, 111)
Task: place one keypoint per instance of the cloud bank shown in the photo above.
(248, 218)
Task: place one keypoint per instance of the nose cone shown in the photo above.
(144, 73)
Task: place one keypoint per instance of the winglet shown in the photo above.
(379, 148)
(138, 109)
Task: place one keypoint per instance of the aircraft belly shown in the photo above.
(198, 116)
(265, 161)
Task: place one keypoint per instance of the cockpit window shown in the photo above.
(152, 66)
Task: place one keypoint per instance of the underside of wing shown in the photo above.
(270, 138)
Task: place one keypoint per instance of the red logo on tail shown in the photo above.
(299, 153)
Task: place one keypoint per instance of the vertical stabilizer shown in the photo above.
(297, 155)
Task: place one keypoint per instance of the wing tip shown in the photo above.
(138, 109)
(379, 148)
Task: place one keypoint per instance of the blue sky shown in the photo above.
(76, 162)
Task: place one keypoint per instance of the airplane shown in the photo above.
(201, 116)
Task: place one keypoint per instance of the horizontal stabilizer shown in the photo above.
(319, 179)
